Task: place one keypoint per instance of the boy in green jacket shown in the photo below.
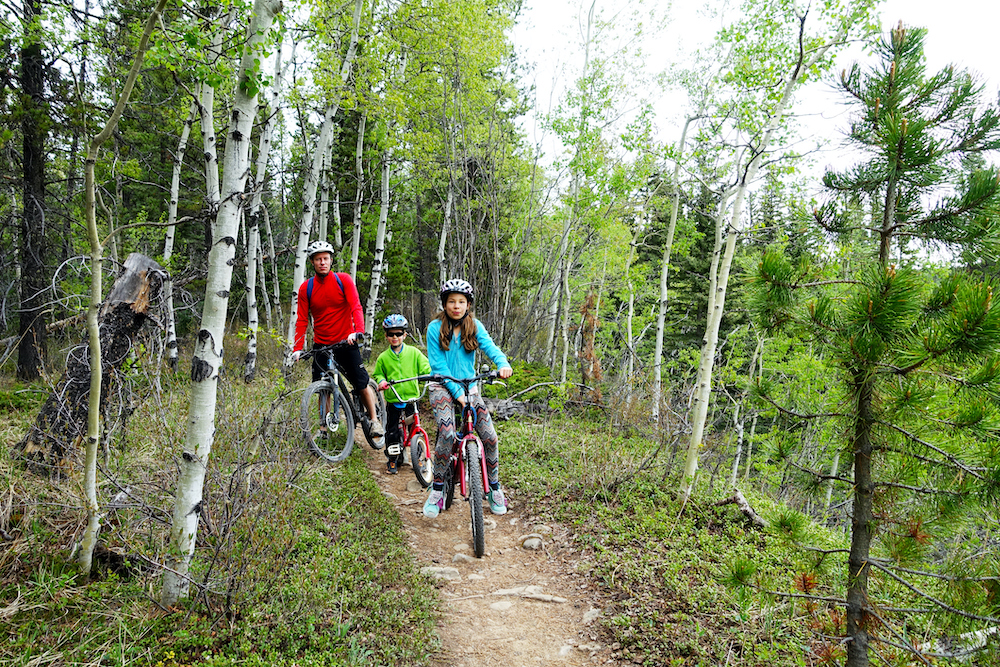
(398, 362)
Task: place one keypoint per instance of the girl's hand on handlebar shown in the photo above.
(383, 385)
(505, 372)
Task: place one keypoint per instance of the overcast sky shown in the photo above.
(959, 32)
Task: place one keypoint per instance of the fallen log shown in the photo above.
(62, 422)
(741, 502)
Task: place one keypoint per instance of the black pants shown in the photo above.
(393, 432)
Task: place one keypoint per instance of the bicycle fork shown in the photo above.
(464, 464)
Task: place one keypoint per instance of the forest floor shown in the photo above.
(514, 606)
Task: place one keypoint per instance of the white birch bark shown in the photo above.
(261, 276)
(312, 176)
(275, 292)
(338, 237)
(324, 205)
(380, 238)
(88, 542)
(168, 241)
(720, 279)
(668, 244)
(208, 352)
(360, 175)
(443, 271)
(253, 222)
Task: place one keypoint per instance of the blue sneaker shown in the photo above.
(434, 504)
(498, 504)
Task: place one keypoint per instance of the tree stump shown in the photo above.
(62, 422)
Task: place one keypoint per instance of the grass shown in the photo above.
(662, 572)
(304, 563)
(296, 562)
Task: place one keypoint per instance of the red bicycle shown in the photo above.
(414, 437)
(467, 461)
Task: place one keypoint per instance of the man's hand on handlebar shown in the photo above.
(294, 356)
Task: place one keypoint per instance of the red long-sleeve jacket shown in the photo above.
(336, 313)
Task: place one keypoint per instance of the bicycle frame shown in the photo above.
(458, 450)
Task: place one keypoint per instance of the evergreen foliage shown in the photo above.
(914, 351)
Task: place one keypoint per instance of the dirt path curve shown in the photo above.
(516, 606)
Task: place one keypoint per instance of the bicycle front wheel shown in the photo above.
(422, 460)
(474, 468)
(327, 421)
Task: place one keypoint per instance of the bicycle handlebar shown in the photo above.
(359, 341)
(437, 377)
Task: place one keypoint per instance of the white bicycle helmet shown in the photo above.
(317, 247)
(456, 286)
(395, 321)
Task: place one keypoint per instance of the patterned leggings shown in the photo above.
(444, 413)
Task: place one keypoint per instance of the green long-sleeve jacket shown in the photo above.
(408, 363)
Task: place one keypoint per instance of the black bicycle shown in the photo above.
(330, 411)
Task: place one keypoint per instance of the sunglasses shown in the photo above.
(394, 334)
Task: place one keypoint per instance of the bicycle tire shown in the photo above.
(366, 424)
(421, 460)
(474, 467)
(336, 445)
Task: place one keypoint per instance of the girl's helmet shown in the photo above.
(457, 286)
(317, 247)
(395, 321)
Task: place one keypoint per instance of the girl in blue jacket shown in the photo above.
(452, 340)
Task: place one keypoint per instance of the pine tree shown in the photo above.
(916, 352)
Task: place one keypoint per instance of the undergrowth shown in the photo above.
(297, 562)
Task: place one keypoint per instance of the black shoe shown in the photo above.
(391, 467)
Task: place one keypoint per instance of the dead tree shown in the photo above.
(62, 421)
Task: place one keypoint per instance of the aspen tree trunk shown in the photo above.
(443, 272)
(209, 347)
(168, 241)
(275, 292)
(359, 173)
(253, 225)
(720, 280)
(312, 176)
(324, 206)
(93, 528)
(261, 275)
(380, 239)
(338, 237)
(668, 244)
(206, 107)
(565, 314)
(738, 421)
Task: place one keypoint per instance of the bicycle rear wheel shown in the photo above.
(328, 430)
(422, 460)
(474, 468)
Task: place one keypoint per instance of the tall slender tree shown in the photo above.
(917, 353)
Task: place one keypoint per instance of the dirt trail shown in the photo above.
(515, 606)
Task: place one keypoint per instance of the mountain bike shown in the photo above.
(330, 411)
(467, 461)
(414, 437)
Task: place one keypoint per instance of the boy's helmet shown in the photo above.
(456, 286)
(317, 247)
(395, 321)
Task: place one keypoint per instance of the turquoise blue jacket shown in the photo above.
(456, 361)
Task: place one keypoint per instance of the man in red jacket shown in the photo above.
(331, 300)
